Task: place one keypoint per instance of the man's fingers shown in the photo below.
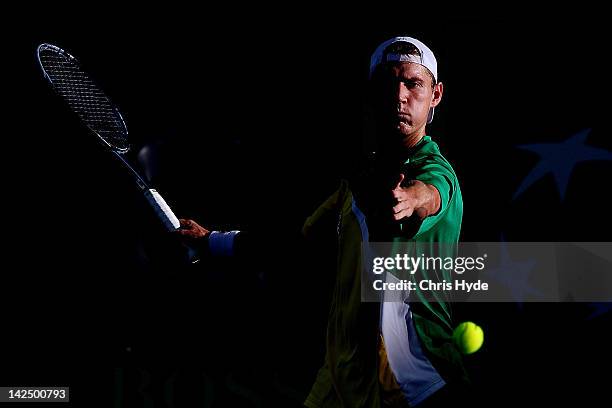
(189, 224)
(399, 195)
(403, 214)
(187, 233)
(398, 191)
(404, 204)
(401, 206)
(188, 228)
(191, 229)
(399, 183)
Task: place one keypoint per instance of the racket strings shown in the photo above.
(84, 97)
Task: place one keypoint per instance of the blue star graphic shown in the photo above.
(514, 275)
(599, 308)
(560, 160)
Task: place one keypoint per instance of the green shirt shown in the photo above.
(427, 164)
(349, 376)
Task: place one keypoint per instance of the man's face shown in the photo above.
(404, 96)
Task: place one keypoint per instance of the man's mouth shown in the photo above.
(402, 118)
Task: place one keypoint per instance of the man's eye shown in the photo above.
(412, 84)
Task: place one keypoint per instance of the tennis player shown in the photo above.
(388, 354)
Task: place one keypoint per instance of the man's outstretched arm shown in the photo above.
(417, 197)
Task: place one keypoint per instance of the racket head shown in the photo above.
(83, 96)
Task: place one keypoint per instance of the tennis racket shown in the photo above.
(98, 113)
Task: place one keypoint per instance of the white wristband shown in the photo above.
(222, 243)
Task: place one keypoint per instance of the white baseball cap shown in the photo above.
(426, 59)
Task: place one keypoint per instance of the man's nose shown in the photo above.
(401, 93)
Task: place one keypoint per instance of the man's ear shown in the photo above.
(437, 94)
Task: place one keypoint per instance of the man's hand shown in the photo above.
(191, 230)
(416, 198)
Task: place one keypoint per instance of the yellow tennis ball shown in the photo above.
(468, 337)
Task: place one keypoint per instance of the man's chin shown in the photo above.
(402, 133)
(404, 129)
(398, 133)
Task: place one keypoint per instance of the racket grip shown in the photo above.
(162, 209)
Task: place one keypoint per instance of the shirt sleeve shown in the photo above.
(439, 174)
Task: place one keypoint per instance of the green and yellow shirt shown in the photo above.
(350, 376)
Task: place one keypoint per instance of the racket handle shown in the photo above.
(162, 209)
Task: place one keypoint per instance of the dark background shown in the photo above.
(253, 121)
